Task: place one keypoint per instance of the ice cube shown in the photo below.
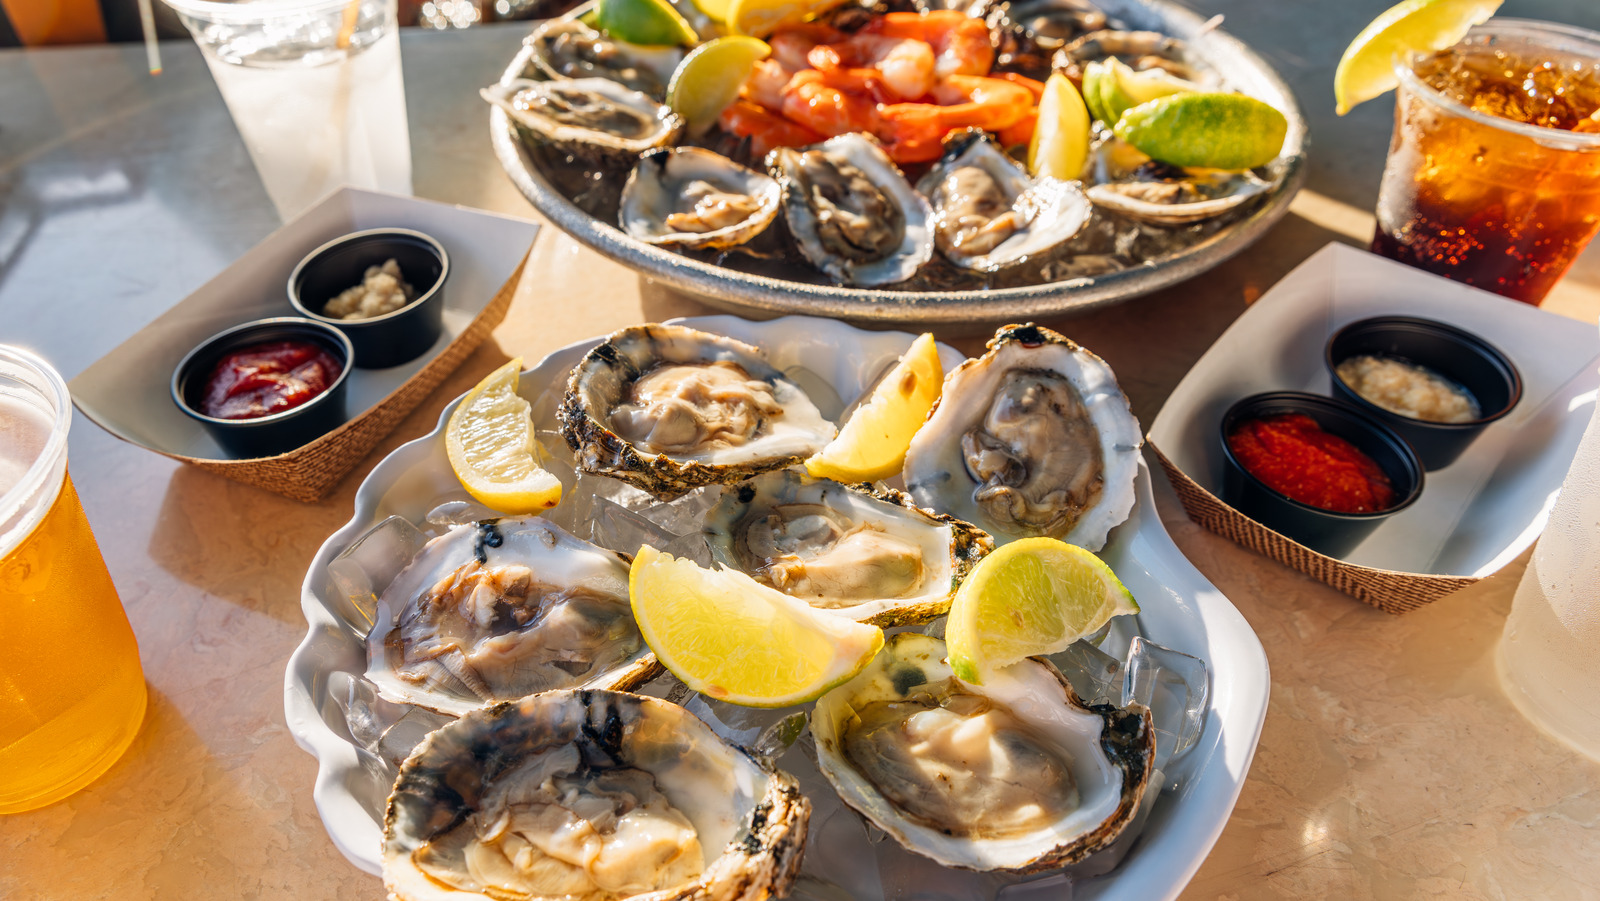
(363, 570)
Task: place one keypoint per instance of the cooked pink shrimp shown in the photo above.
(960, 42)
(903, 65)
(913, 132)
(812, 102)
(766, 83)
(790, 45)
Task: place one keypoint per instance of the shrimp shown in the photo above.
(903, 65)
(791, 45)
(812, 102)
(766, 83)
(914, 132)
(765, 129)
(960, 43)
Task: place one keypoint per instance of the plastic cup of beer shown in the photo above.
(72, 694)
(1493, 175)
(315, 89)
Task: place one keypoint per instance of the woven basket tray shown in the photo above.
(1387, 590)
(308, 472)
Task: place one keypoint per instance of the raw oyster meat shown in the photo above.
(591, 119)
(1128, 182)
(669, 409)
(871, 555)
(1014, 775)
(568, 48)
(592, 795)
(692, 198)
(1032, 438)
(502, 609)
(988, 214)
(852, 212)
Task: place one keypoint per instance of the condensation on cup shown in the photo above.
(72, 693)
(1549, 654)
(315, 89)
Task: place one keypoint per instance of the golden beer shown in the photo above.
(72, 694)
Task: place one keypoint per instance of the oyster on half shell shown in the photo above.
(1015, 775)
(869, 554)
(669, 409)
(502, 609)
(1032, 438)
(989, 214)
(852, 212)
(692, 198)
(590, 119)
(593, 795)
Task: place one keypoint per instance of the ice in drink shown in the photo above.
(316, 94)
(1493, 177)
(313, 126)
(72, 694)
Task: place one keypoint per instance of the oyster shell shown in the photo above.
(989, 214)
(669, 409)
(852, 212)
(569, 48)
(693, 198)
(871, 555)
(1128, 182)
(1140, 49)
(1015, 775)
(589, 794)
(590, 119)
(502, 609)
(1032, 438)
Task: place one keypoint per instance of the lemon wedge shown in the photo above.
(729, 637)
(872, 444)
(1367, 68)
(490, 442)
(759, 18)
(1029, 597)
(1060, 144)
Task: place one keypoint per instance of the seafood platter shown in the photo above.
(493, 719)
(881, 160)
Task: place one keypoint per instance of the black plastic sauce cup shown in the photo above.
(1324, 531)
(393, 338)
(1459, 356)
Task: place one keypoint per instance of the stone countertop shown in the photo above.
(1390, 765)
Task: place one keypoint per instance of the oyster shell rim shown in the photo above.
(665, 478)
(1127, 739)
(968, 545)
(774, 831)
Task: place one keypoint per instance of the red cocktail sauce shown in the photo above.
(1296, 458)
(268, 378)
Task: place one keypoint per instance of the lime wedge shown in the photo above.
(491, 447)
(1095, 78)
(644, 22)
(872, 443)
(731, 638)
(1215, 131)
(1127, 88)
(1029, 597)
(1060, 144)
(1415, 26)
(760, 18)
(708, 79)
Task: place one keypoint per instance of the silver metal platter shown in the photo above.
(736, 290)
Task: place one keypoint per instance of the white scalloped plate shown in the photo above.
(1180, 610)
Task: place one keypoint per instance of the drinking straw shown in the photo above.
(347, 26)
(152, 50)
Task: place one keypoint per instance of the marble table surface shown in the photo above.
(1390, 766)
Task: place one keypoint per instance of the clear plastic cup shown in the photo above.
(315, 89)
(72, 693)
